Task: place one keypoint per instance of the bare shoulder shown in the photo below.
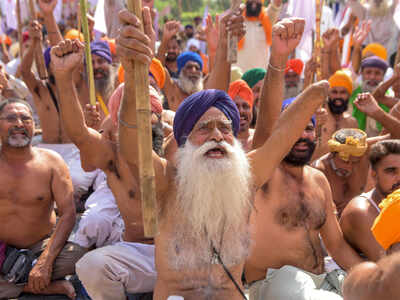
(319, 163)
(350, 121)
(52, 158)
(356, 210)
(317, 175)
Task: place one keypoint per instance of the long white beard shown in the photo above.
(213, 200)
(188, 86)
(367, 88)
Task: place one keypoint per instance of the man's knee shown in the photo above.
(91, 263)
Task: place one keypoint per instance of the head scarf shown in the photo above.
(194, 106)
(253, 76)
(386, 226)
(374, 62)
(288, 102)
(241, 89)
(192, 42)
(102, 49)
(74, 34)
(376, 49)
(25, 36)
(111, 44)
(184, 57)
(115, 101)
(6, 39)
(236, 73)
(296, 65)
(341, 79)
(348, 142)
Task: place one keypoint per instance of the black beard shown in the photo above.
(299, 161)
(338, 109)
(170, 58)
(189, 35)
(158, 138)
(250, 12)
(394, 188)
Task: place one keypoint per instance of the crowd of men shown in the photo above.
(275, 178)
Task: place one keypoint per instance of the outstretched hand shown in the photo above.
(47, 6)
(286, 36)
(233, 22)
(211, 32)
(331, 39)
(66, 57)
(361, 33)
(367, 104)
(170, 29)
(35, 31)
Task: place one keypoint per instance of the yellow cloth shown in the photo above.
(341, 79)
(386, 229)
(266, 23)
(376, 49)
(352, 146)
(74, 34)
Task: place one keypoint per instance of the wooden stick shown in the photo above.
(233, 40)
(318, 45)
(39, 58)
(19, 22)
(140, 78)
(88, 54)
(78, 19)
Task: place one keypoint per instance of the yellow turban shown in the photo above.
(376, 49)
(74, 34)
(340, 78)
(386, 228)
(348, 142)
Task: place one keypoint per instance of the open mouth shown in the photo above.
(302, 147)
(217, 152)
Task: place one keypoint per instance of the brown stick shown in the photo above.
(140, 80)
(318, 45)
(19, 22)
(39, 58)
(233, 40)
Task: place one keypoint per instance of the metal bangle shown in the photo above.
(123, 123)
(275, 68)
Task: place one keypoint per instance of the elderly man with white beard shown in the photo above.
(204, 198)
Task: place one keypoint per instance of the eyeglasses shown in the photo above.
(14, 118)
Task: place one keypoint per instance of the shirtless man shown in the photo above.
(242, 95)
(34, 180)
(170, 48)
(348, 175)
(361, 212)
(292, 209)
(196, 227)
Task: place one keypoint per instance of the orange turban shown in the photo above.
(240, 88)
(111, 44)
(376, 49)
(156, 69)
(74, 34)
(386, 229)
(340, 78)
(296, 65)
(5, 39)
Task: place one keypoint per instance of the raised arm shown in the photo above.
(170, 29)
(359, 37)
(330, 53)
(286, 35)
(47, 7)
(273, 10)
(380, 92)
(95, 150)
(287, 131)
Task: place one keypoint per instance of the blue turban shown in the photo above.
(289, 101)
(102, 49)
(184, 57)
(47, 57)
(374, 62)
(194, 106)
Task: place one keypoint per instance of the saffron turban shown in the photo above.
(348, 142)
(240, 88)
(156, 70)
(386, 228)
(184, 57)
(102, 49)
(253, 76)
(194, 106)
(296, 65)
(74, 34)
(376, 49)
(111, 44)
(5, 39)
(115, 101)
(288, 102)
(374, 62)
(341, 79)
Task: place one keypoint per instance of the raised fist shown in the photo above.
(286, 36)
(66, 57)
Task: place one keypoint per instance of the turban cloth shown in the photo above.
(156, 70)
(194, 106)
(376, 49)
(111, 44)
(241, 89)
(74, 34)
(289, 101)
(192, 42)
(296, 65)
(386, 228)
(25, 36)
(47, 57)
(102, 49)
(374, 62)
(348, 142)
(236, 73)
(341, 79)
(253, 76)
(184, 57)
(115, 101)
(5, 39)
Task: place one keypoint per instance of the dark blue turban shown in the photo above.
(289, 101)
(374, 62)
(47, 57)
(102, 49)
(194, 106)
(184, 57)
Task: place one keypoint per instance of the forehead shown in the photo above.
(239, 100)
(372, 69)
(291, 73)
(191, 63)
(212, 114)
(391, 160)
(16, 108)
(338, 89)
(98, 58)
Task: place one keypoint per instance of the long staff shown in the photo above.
(19, 22)
(233, 40)
(317, 51)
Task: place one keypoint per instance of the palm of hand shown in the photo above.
(47, 6)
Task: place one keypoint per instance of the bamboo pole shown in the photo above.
(318, 45)
(140, 80)
(39, 58)
(233, 40)
(88, 54)
(19, 22)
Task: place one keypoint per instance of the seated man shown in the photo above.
(359, 215)
(33, 181)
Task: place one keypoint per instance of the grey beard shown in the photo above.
(292, 92)
(104, 87)
(367, 87)
(188, 86)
